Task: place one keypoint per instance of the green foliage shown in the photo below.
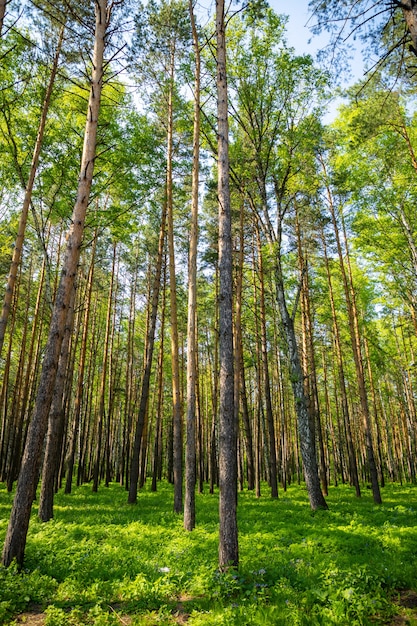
(101, 559)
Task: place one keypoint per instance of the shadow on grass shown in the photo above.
(332, 567)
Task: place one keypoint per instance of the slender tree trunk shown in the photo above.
(228, 535)
(175, 361)
(55, 425)
(158, 428)
(18, 246)
(11, 453)
(353, 321)
(15, 542)
(129, 390)
(309, 365)
(190, 454)
(214, 470)
(342, 381)
(273, 474)
(375, 412)
(81, 369)
(103, 381)
(150, 342)
(305, 436)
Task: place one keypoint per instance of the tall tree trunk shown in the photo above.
(129, 389)
(228, 534)
(363, 394)
(273, 474)
(375, 412)
(353, 468)
(18, 246)
(81, 369)
(309, 364)
(55, 425)
(301, 407)
(103, 380)
(158, 429)
(190, 453)
(15, 542)
(353, 320)
(150, 342)
(175, 361)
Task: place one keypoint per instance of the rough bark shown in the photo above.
(15, 542)
(55, 425)
(307, 446)
(3, 4)
(228, 534)
(175, 361)
(81, 369)
(355, 337)
(273, 474)
(103, 380)
(150, 342)
(190, 454)
(353, 468)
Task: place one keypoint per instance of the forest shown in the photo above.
(209, 298)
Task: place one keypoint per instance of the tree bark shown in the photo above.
(15, 542)
(55, 425)
(150, 342)
(103, 380)
(228, 534)
(3, 4)
(175, 361)
(273, 474)
(353, 468)
(81, 369)
(190, 454)
(355, 338)
(308, 455)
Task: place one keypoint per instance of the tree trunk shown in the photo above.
(190, 454)
(55, 425)
(103, 381)
(308, 455)
(81, 369)
(175, 361)
(15, 542)
(356, 348)
(273, 474)
(18, 246)
(150, 342)
(3, 4)
(342, 382)
(228, 534)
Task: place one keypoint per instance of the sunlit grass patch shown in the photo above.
(101, 559)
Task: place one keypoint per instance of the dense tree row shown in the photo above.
(129, 319)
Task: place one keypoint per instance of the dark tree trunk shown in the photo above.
(228, 536)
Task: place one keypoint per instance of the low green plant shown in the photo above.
(101, 559)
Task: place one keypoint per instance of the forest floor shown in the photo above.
(103, 562)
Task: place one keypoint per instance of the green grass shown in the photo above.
(104, 562)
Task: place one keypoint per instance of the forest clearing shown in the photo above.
(208, 337)
(104, 562)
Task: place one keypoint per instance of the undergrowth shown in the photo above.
(103, 562)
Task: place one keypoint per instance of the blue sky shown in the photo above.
(300, 37)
